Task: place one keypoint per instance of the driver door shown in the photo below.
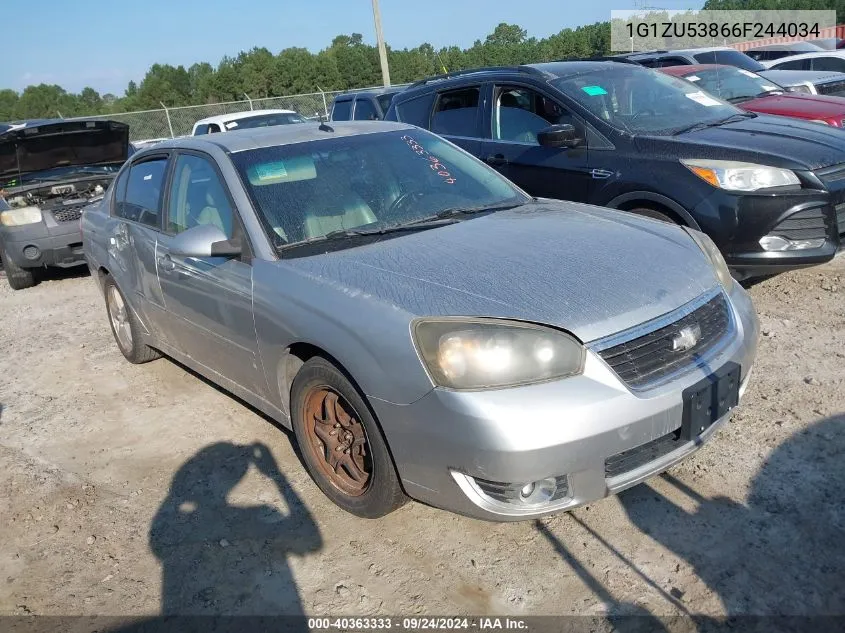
(518, 114)
(208, 300)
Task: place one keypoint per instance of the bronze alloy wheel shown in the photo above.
(337, 440)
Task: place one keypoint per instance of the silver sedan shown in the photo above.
(425, 328)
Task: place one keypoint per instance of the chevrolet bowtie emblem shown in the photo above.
(687, 338)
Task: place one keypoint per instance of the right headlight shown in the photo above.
(20, 217)
(733, 175)
(471, 353)
(709, 248)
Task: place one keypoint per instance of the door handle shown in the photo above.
(600, 174)
(496, 159)
(166, 264)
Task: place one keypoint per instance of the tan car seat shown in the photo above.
(338, 213)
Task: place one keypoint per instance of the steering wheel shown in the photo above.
(640, 113)
(403, 199)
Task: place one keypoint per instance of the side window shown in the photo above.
(341, 110)
(384, 102)
(415, 111)
(119, 191)
(836, 64)
(197, 196)
(795, 64)
(364, 110)
(201, 129)
(457, 113)
(142, 201)
(666, 62)
(521, 113)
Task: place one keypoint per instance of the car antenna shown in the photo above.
(323, 127)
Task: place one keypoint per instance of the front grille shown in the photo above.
(633, 458)
(833, 89)
(840, 218)
(651, 357)
(804, 225)
(68, 215)
(509, 493)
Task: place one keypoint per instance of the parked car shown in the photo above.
(766, 189)
(423, 326)
(784, 49)
(754, 93)
(828, 43)
(812, 81)
(361, 106)
(832, 61)
(244, 120)
(49, 171)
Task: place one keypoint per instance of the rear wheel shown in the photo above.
(18, 278)
(341, 443)
(125, 326)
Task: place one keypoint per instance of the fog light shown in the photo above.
(778, 243)
(31, 252)
(538, 491)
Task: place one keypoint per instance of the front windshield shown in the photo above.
(733, 84)
(264, 120)
(58, 173)
(643, 101)
(367, 182)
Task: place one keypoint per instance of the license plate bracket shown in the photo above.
(709, 399)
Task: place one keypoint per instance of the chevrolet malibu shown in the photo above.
(424, 327)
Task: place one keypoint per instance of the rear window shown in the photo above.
(384, 102)
(730, 58)
(364, 110)
(341, 110)
(456, 113)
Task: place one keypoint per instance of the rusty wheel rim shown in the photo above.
(337, 441)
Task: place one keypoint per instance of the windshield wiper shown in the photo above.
(707, 124)
(455, 212)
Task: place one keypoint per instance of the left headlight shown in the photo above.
(709, 248)
(20, 217)
(467, 353)
(733, 175)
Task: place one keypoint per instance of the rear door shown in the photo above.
(458, 115)
(518, 114)
(208, 299)
(133, 232)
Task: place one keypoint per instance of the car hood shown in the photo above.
(796, 77)
(31, 148)
(798, 144)
(588, 270)
(802, 106)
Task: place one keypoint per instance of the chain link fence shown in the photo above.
(173, 122)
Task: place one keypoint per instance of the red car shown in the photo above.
(750, 91)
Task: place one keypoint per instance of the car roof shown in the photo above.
(813, 55)
(273, 135)
(789, 46)
(236, 116)
(680, 71)
(343, 96)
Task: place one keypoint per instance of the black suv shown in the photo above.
(361, 106)
(766, 189)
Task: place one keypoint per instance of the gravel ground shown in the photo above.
(98, 455)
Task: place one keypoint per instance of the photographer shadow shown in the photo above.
(222, 559)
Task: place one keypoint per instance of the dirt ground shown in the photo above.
(97, 456)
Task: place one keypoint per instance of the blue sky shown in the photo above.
(104, 43)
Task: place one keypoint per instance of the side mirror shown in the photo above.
(561, 135)
(205, 240)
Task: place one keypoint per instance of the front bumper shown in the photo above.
(449, 445)
(48, 243)
(737, 222)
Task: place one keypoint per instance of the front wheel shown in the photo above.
(18, 278)
(340, 442)
(125, 327)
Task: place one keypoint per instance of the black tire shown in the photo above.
(382, 492)
(132, 347)
(654, 215)
(18, 278)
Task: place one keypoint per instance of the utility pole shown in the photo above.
(382, 49)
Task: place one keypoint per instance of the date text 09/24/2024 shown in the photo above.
(416, 623)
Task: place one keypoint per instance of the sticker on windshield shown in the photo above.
(231, 124)
(270, 171)
(746, 72)
(703, 99)
(594, 91)
(692, 78)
